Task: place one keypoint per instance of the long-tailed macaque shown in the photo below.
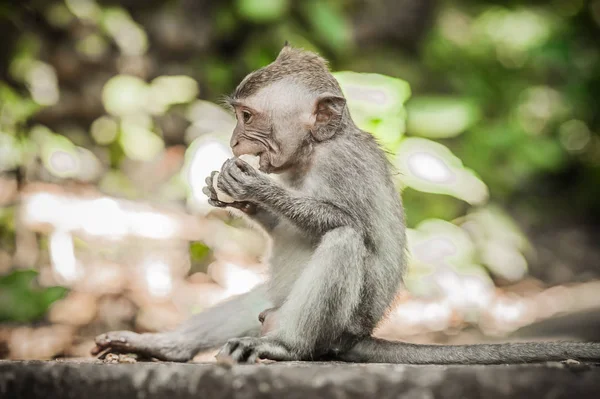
(338, 231)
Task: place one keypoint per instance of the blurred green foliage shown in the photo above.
(22, 300)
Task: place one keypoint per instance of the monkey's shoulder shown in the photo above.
(354, 159)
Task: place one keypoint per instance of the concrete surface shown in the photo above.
(148, 380)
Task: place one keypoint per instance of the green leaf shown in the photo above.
(375, 94)
(329, 24)
(440, 117)
(21, 300)
(198, 251)
(20, 279)
(420, 206)
(125, 95)
(261, 11)
(14, 108)
(431, 167)
(50, 295)
(545, 154)
(376, 104)
(59, 156)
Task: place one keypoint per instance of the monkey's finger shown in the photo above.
(103, 340)
(275, 352)
(210, 192)
(244, 166)
(224, 359)
(210, 180)
(253, 358)
(241, 164)
(228, 348)
(101, 355)
(236, 174)
(241, 353)
(226, 165)
(223, 185)
(217, 203)
(97, 349)
(226, 185)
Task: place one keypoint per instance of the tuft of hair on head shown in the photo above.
(294, 63)
(289, 55)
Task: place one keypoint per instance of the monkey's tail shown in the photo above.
(373, 350)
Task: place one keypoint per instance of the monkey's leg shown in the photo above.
(318, 310)
(236, 317)
(265, 218)
(373, 350)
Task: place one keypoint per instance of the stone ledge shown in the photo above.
(90, 380)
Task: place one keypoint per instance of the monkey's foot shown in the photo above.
(251, 350)
(157, 345)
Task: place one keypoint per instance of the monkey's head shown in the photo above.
(285, 108)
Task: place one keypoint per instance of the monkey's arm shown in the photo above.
(261, 215)
(313, 215)
(237, 317)
(373, 350)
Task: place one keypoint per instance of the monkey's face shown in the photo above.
(274, 124)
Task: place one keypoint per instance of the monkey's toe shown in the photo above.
(149, 345)
(254, 350)
(117, 341)
(240, 350)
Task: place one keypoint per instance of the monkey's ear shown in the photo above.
(328, 112)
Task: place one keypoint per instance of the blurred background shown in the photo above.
(110, 121)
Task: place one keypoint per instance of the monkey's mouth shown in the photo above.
(261, 160)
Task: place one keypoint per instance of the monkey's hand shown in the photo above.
(213, 199)
(251, 350)
(241, 181)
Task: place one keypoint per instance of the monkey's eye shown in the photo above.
(247, 116)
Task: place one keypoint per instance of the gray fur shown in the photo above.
(374, 350)
(338, 232)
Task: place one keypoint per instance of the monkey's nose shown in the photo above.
(236, 151)
(233, 142)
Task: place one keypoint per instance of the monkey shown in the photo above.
(338, 232)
